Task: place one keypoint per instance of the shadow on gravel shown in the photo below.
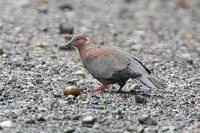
(136, 93)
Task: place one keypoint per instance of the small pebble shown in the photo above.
(65, 28)
(140, 99)
(44, 1)
(65, 6)
(71, 90)
(23, 3)
(43, 9)
(117, 112)
(69, 130)
(146, 120)
(41, 118)
(45, 29)
(8, 124)
(88, 120)
(82, 97)
(132, 128)
(1, 51)
(70, 97)
(75, 117)
(30, 121)
(129, 1)
(182, 4)
(184, 33)
(79, 73)
(99, 107)
(150, 130)
(43, 45)
(1, 25)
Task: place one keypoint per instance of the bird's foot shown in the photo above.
(97, 89)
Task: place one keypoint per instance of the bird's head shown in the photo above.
(78, 41)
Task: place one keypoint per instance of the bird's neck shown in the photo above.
(83, 50)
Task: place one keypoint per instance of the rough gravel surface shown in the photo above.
(34, 70)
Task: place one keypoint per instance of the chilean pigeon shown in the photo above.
(111, 65)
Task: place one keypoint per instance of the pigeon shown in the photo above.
(111, 64)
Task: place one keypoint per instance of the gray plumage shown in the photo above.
(116, 65)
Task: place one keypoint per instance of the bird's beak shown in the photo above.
(68, 44)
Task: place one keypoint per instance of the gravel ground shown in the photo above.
(34, 70)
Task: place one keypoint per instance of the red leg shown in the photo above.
(105, 83)
(100, 88)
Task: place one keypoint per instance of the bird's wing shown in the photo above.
(104, 62)
(115, 64)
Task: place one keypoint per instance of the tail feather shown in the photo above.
(148, 81)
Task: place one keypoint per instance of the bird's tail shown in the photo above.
(148, 81)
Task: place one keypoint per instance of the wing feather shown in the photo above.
(104, 65)
(109, 61)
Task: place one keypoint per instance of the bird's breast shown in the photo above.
(88, 60)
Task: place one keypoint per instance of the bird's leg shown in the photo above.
(99, 88)
(104, 82)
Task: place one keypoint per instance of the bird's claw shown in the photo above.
(97, 89)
